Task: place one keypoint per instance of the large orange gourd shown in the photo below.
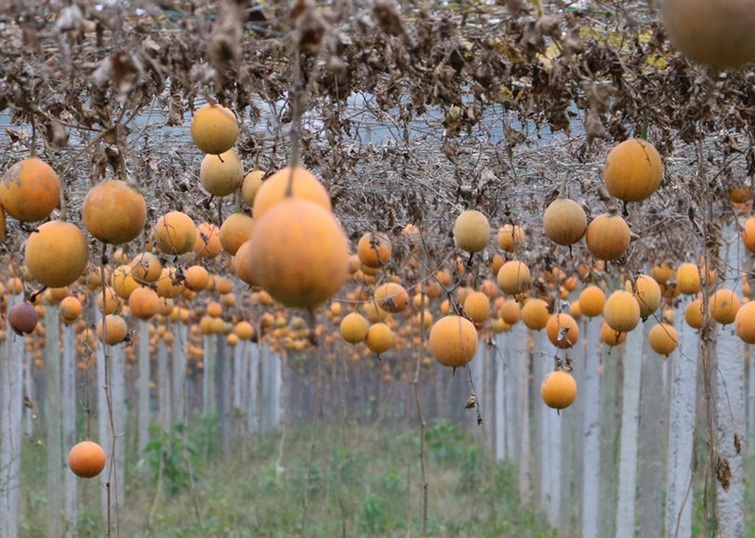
(86, 459)
(472, 231)
(374, 249)
(712, 32)
(621, 311)
(30, 190)
(56, 254)
(564, 221)
(214, 128)
(633, 170)
(663, 338)
(175, 233)
(514, 277)
(591, 301)
(296, 182)
(222, 174)
(562, 330)
(558, 390)
(114, 212)
(453, 341)
(300, 253)
(608, 236)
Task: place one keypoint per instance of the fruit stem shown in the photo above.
(644, 128)
(290, 183)
(33, 296)
(33, 143)
(608, 202)
(296, 110)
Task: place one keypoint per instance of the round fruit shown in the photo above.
(56, 254)
(112, 304)
(591, 301)
(693, 313)
(122, 281)
(391, 297)
(354, 327)
(662, 272)
(221, 174)
(175, 233)
(744, 322)
(70, 309)
(663, 338)
(214, 309)
(242, 264)
(169, 285)
(611, 337)
(197, 278)
(472, 231)
(235, 230)
(374, 249)
(688, 279)
(244, 330)
(514, 277)
(114, 212)
(564, 221)
(511, 312)
(379, 338)
(53, 296)
(562, 330)
(453, 341)
(297, 182)
(558, 390)
(647, 294)
(748, 234)
(718, 34)
(30, 190)
(86, 459)
(608, 236)
(300, 253)
(223, 284)
(499, 326)
(143, 302)
(146, 268)
(249, 186)
(740, 195)
(477, 306)
(535, 314)
(723, 306)
(510, 237)
(214, 129)
(114, 331)
(489, 288)
(621, 311)
(23, 318)
(207, 243)
(633, 170)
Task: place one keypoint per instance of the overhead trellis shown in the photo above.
(410, 112)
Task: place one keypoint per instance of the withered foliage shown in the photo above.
(412, 111)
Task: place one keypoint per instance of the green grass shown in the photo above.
(333, 480)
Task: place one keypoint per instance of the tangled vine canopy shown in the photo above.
(411, 111)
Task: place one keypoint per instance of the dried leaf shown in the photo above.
(723, 473)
